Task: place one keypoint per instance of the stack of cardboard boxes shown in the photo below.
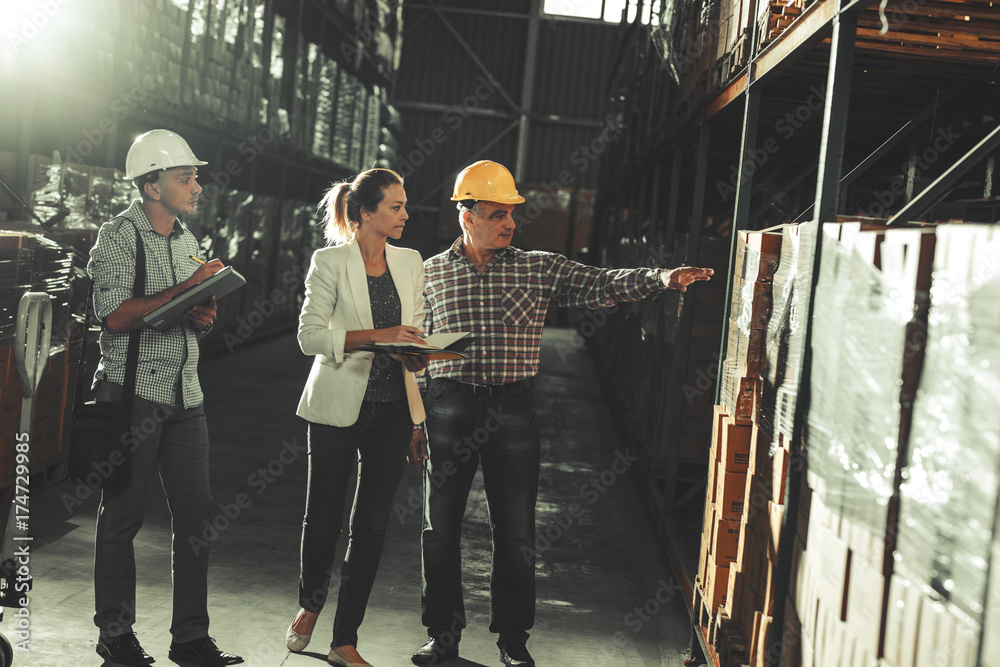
(744, 503)
(775, 16)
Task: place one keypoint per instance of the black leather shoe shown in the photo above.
(201, 653)
(124, 650)
(515, 654)
(434, 652)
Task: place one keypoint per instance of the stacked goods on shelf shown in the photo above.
(943, 594)
(24, 267)
(729, 459)
(867, 294)
(51, 272)
(775, 16)
(733, 46)
(392, 128)
(358, 117)
(325, 73)
(785, 338)
(203, 61)
(373, 129)
(16, 259)
(349, 93)
(76, 196)
(696, 47)
(746, 491)
(757, 255)
(294, 248)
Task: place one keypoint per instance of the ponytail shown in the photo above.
(337, 226)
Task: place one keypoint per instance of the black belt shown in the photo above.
(493, 390)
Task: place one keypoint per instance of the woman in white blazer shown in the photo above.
(359, 405)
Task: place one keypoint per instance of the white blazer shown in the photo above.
(337, 302)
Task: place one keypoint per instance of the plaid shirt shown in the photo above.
(505, 306)
(166, 358)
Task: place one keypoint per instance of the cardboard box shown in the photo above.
(760, 451)
(932, 635)
(740, 394)
(902, 621)
(762, 641)
(716, 583)
(703, 557)
(719, 414)
(779, 474)
(776, 514)
(831, 563)
(729, 492)
(991, 626)
(789, 641)
(864, 604)
(726, 540)
(758, 253)
(713, 472)
(734, 587)
(734, 450)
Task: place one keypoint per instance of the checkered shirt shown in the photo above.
(166, 358)
(505, 306)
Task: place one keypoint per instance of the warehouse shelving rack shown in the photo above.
(878, 91)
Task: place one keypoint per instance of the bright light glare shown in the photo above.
(588, 9)
(591, 9)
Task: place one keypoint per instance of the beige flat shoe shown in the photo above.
(347, 656)
(297, 642)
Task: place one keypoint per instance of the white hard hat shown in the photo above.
(158, 149)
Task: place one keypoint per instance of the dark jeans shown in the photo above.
(501, 431)
(379, 440)
(173, 441)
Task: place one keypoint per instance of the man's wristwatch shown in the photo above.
(208, 327)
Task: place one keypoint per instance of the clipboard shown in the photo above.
(222, 283)
(436, 347)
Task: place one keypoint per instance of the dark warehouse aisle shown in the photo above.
(605, 593)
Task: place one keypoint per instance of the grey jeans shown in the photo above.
(172, 441)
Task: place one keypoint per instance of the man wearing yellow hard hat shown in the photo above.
(482, 408)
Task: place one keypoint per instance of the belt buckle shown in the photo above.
(482, 389)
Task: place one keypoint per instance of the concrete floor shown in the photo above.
(605, 593)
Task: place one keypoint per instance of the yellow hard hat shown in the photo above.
(486, 181)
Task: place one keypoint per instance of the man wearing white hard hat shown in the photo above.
(169, 435)
(482, 409)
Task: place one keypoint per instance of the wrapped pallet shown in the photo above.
(951, 488)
